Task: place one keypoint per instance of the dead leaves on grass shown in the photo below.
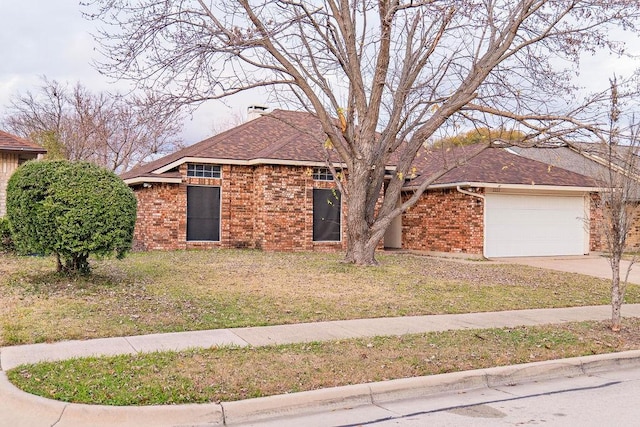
(175, 291)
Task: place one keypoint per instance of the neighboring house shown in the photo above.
(588, 159)
(264, 184)
(13, 152)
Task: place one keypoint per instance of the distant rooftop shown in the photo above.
(14, 143)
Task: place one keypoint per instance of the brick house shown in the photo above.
(265, 185)
(14, 151)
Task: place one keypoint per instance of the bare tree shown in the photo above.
(235, 119)
(620, 198)
(110, 130)
(382, 77)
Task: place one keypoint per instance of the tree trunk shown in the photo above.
(75, 264)
(616, 294)
(361, 252)
(361, 248)
(361, 243)
(59, 266)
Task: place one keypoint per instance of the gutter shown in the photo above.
(23, 150)
(514, 187)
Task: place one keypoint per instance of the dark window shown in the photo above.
(198, 170)
(323, 174)
(326, 215)
(203, 213)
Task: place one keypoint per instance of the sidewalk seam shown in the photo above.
(232, 331)
(131, 345)
(224, 416)
(64, 408)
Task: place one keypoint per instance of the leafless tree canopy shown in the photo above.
(112, 131)
(404, 69)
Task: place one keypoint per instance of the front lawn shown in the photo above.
(194, 290)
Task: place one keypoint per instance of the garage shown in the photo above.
(535, 225)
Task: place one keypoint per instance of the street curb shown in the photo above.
(323, 400)
(331, 399)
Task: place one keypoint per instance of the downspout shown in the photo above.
(469, 193)
(484, 214)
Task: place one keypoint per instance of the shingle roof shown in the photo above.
(496, 165)
(10, 142)
(585, 158)
(289, 136)
(279, 136)
(565, 158)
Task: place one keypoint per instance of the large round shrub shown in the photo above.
(71, 210)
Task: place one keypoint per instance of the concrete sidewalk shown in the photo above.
(21, 409)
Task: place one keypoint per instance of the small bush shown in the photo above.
(6, 241)
(71, 210)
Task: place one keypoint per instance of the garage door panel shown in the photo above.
(518, 225)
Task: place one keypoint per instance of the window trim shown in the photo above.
(204, 170)
(323, 173)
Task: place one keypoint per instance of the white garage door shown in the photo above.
(518, 225)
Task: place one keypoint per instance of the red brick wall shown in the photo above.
(265, 207)
(444, 221)
(161, 221)
(282, 211)
(238, 207)
(633, 239)
(598, 237)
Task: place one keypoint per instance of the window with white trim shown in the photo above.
(323, 174)
(201, 170)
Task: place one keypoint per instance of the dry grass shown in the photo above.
(228, 374)
(176, 291)
(173, 291)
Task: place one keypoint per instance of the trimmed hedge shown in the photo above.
(71, 210)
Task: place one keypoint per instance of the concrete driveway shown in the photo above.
(591, 265)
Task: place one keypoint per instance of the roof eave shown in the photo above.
(159, 179)
(248, 162)
(23, 149)
(577, 189)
